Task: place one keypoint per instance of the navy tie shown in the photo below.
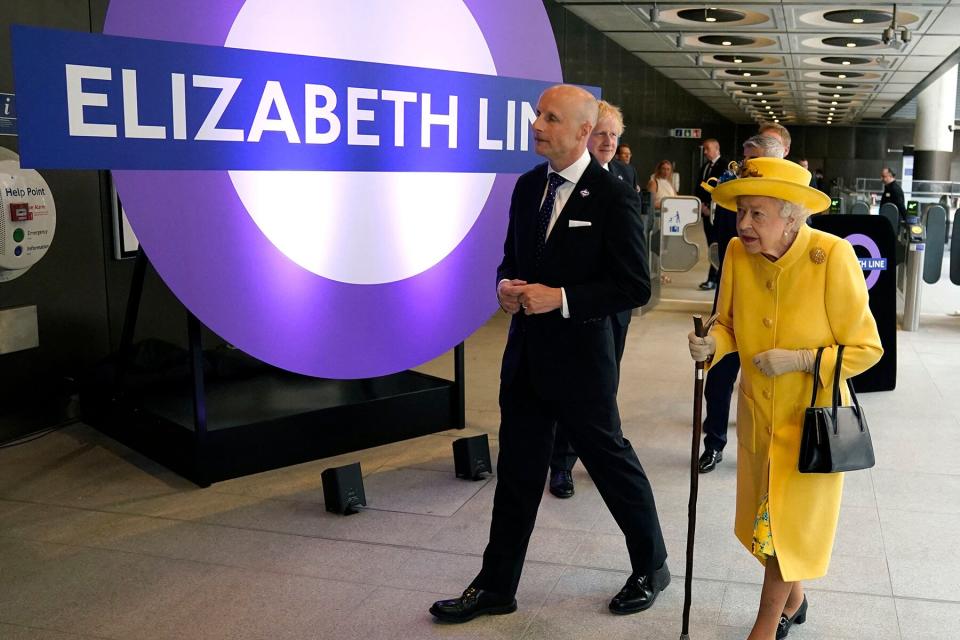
(546, 212)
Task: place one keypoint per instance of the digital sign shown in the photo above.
(324, 184)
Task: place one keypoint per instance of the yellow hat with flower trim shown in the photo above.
(773, 178)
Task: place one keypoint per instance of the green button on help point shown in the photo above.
(18, 235)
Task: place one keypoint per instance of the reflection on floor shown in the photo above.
(98, 542)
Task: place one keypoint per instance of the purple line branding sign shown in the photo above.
(874, 263)
(324, 184)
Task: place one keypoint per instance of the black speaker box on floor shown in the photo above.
(471, 457)
(343, 489)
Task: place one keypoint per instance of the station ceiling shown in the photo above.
(810, 61)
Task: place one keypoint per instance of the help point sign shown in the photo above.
(324, 184)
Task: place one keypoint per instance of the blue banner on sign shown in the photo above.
(106, 102)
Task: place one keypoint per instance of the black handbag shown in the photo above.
(834, 438)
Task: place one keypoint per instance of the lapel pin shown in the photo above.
(621, 177)
(584, 193)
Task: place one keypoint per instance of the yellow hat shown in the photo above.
(774, 178)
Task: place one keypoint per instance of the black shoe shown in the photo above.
(640, 592)
(708, 285)
(474, 602)
(709, 460)
(798, 618)
(561, 484)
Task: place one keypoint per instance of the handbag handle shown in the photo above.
(836, 386)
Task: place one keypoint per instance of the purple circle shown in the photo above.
(865, 241)
(229, 274)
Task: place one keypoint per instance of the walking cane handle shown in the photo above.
(698, 326)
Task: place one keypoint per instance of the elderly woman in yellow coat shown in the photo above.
(786, 291)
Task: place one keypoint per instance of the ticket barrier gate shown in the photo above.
(921, 239)
(670, 251)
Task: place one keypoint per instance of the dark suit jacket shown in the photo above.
(893, 192)
(627, 174)
(602, 268)
(718, 168)
(624, 172)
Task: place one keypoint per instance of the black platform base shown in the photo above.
(272, 419)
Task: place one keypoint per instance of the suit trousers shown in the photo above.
(564, 457)
(526, 440)
(711, 233)
(718, 392)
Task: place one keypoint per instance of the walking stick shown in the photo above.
(701, 330)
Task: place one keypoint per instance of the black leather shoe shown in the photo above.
(708, 285)
(561, 484)
(639, 593)
(709, 460)
(798, 618)
(474, 602)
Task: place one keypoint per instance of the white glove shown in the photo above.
(776, 362)
(701, 349)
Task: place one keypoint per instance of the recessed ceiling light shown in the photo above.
(857, 21)
(763, 102)
(746, 74)
(833, 108)
(836, 95)
(842, 76)
(775, 120)
(851, 44)
(834, 102)
(760, 93)
(711, 19)
(753, 85)
(845, 62)
(726, 43)
(839, 86)
(737, 60)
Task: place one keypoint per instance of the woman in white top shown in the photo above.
(661, 183)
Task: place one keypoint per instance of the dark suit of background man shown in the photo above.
(602, 145)
(572, 258)
(624, 154)
(718, 389)
(892, 192)
(713, 167)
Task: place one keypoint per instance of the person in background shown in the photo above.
(713, 166)
(718, 389)
(660, 184)
(629, 171)
(803, 162)
(820, 181)
(786, 290)
(602, 145)
(778, 131)
(892, 192)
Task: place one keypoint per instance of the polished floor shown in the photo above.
(99, 542)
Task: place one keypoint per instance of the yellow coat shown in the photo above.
(812, 296)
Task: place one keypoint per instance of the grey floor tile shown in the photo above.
(98, 592)
(916, 491)
(926, 620)
(858, 533)
(310, 519)
(235, 603)
(857, 574)
(418, 491)
(16, 632)
(919, 569)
